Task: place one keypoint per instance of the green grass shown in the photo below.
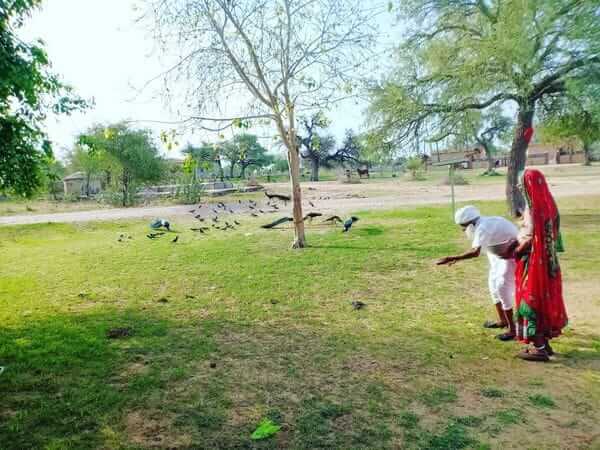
(252, 329)
(542, 401)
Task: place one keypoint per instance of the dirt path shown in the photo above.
(334, 197)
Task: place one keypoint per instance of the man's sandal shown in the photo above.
(505, 337)
(492, 324)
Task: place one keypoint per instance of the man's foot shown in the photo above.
(492, 324)
(506, 337)
(534, 355)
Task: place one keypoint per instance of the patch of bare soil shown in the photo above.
(154, 430)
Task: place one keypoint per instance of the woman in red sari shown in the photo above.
(541, 312)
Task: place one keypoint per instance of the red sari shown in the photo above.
(540, 306)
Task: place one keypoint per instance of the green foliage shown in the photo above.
(509, 416)
(266, 428)
(439, 396)
(134, 150)
(492, 392)
(542, 401)
(245, 150)
(29, 91)
(414, 165)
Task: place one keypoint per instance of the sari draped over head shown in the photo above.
(540, 306)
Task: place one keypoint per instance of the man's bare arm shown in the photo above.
(449, 260)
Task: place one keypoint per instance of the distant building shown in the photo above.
(77, 184)
(541, 154)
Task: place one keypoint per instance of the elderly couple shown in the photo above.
(523, 265)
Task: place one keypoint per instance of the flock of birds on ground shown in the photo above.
(218, 216)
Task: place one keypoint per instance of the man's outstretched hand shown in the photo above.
(447, 261)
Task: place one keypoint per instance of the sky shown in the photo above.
(97, 47)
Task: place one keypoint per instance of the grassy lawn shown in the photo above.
(234, 327)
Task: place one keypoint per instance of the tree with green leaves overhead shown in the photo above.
(29, 91)
(575, 118)
(463, 56)
(134, 150)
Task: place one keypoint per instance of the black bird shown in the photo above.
(251, 207)
(215, 219)
(198, 216)
(357, 304)
(348, 223)
(201, 229)
(285, 198)
(275, 206)
(311, 203)
(261, 211)
(192, 211)
(277, 222)
(151, 236)
(215, 211)
(236, 222)
(333, 219)
(175, 240)
(231, 211)
(221, 205)
(240, 202)
(254, 214)
(201, 219)
(311, 215)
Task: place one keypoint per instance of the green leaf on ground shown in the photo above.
(266, 428)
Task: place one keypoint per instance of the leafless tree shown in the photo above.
(264, 60)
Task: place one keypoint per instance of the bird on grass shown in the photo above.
(154, 235)
(236, 222)
(311, 203)
(277, 222)
(175, 240)
(200, 230)
(160, 223)
(254, 214)
(215, 219)
(357, 304)
(334, 219)
(311, 215)
(275, 206)
(348, 223)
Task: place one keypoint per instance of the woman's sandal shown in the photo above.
(534, 355)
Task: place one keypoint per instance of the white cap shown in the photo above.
(466, 214)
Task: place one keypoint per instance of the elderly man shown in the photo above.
(486, 232)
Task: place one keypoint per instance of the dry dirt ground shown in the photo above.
(339, 198)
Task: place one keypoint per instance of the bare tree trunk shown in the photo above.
(586, 154)
(490, 159)
(518, 158)
(294, 163)
(314, 172)
(231, 167)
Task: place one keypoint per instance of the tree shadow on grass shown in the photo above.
(62, 383)
(581, 351)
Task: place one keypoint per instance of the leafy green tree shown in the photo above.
(53, 171)
(134, 150)
(314, 146)
(251, 153)
(469, 55)
(575, 117)
(93, 163)
(29, 91)
(207, 156)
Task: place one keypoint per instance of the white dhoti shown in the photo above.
(501, 281)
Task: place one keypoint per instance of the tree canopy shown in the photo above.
(471, 55)
(135, 151)
(29, 91)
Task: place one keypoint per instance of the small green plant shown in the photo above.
(454, 436)
(408, 420)
(492, 392)
(469, 421)
(439, 396)
(265, 429)
(415, 166)
(542, 401)
(509, 416)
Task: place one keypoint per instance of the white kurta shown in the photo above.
(501, 280)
